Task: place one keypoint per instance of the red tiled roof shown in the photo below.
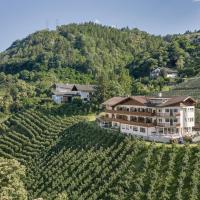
(114, 100)
(147, 100)
(175, 100)
(141, 99)
(117, 100)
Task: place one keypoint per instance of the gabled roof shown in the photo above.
(147, 101)
(88, 88)
(79, 87)
(118, 100)
(141, 99)
(176, 100)
(114, 100)
(64, 86)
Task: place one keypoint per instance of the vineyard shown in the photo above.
(71, 157)
(190, 87)
(189, 83)
(27, 134)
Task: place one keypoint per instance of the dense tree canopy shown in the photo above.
(12, 174)
(91, 48)
(118, 61)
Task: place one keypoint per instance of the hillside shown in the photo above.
(88, 48)
(91, 48)
(189, 87)
(64, 155)
(118, 61)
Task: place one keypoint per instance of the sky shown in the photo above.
(18, 18)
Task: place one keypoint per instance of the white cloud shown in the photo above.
(196, 0)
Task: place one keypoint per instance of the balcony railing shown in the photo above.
(143, 113)
(131, 113)
(168, 114)
(168, 124)
(128, 122)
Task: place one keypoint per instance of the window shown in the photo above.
(175, 110)
(160, 130)
(130, 127)
(123, 126)
(135, 128)
(127, 127)
(142, 130)
(133, 118)
(115, 124)
(160, 120)
(159, 110)
(166, 120)
(166, 110)
(175, 120)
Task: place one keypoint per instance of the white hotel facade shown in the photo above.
(155, 118)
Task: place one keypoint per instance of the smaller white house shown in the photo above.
(166, 72)
(66, 92)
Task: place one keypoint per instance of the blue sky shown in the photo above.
(18, 18)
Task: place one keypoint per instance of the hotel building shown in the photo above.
(155, 118)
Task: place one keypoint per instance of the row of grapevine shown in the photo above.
(27, 134)
(91, 163)
(71, 156)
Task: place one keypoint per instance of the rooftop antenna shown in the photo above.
(57, 22)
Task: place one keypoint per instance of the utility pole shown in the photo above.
(47, 24)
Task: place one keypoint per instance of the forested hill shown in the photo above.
(93, 48)
(118, 61)
(87, 48)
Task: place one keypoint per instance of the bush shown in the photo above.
(187, 139)
(173, 141)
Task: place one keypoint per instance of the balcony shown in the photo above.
(130, 113)
(128, 122)
(167, 114)
(168, 125)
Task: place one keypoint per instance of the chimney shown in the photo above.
(160, 94)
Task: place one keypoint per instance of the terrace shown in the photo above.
(123, 120)
(140, 112)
